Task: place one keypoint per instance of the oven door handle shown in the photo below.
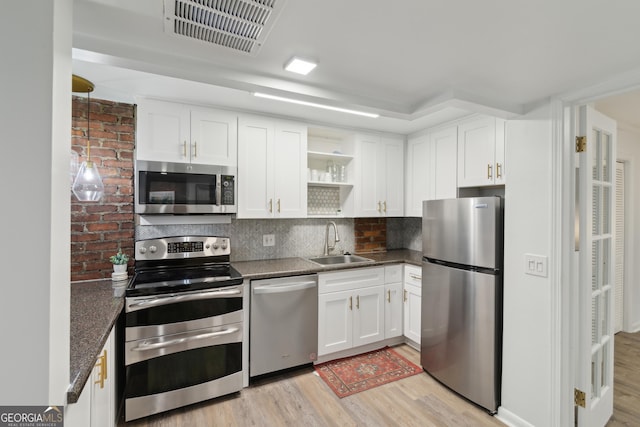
(144, 347)
(273, 289)
(154, 302)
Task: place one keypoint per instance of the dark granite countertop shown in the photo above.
(267, 268)
(94, 311)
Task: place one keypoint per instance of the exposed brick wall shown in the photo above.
(370, 234)
(98, 229)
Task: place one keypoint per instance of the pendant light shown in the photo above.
(87, 186)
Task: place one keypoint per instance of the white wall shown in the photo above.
(35, 118)
(629, 152)
(527, 364)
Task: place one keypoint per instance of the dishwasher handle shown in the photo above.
(277, 289)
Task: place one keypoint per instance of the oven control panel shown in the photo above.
(182, 247)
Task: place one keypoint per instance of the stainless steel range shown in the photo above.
(183, 333)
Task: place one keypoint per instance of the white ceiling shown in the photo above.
(415, 62)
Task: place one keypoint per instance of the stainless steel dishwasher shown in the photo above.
(283, 327)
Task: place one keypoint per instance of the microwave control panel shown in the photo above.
(228, 189)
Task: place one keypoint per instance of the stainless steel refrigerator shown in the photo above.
(461, 338)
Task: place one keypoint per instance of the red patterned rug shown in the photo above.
(359, 373)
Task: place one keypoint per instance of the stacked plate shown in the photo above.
(116, 277)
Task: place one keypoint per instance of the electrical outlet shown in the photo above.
(535, 265)
(268, 240)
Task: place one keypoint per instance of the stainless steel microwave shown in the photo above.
(184, 188)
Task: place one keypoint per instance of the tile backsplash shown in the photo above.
(294, 237)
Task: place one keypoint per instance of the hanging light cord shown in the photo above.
(89, 127)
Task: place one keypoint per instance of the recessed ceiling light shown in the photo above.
(300, 66)
(313, 104)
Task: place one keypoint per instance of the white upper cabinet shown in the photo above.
(431, 168)
(173, 132)
(272, 168)
(481, 152)
(379, 185)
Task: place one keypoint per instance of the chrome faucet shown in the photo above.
(336, 239)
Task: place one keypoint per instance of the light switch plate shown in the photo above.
(268, 240)
(535, 265)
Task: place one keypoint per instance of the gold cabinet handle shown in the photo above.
(278, 205)
(384, 204)
(405, 295)
(195, 148)
(102, 373)
(389, 296)
(498, 170)
(489, 171)
(379, 206)
(358, 302)
(350, 303)
(270, 205)
(184, 149)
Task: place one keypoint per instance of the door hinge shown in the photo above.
(581, 144)
(579, 397)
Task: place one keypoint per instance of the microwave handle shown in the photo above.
(218, 190)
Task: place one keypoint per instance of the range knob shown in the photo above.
(215, 245)
(152, 249)
(224, 244)
(142, 250)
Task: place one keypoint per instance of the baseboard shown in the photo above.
(511, 419)
(634, 328)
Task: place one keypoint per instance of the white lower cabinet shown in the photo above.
(358, 307)
(96, 406)
(393, 301)
(350, 309)
(412, 303)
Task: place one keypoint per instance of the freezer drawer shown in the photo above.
(461, 331)
(283, 324)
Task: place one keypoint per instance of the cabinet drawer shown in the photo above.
(393, 274)
(413, 275)
(350, 279)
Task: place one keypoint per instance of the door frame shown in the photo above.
(564, 298)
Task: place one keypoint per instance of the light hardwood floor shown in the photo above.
(301, 398)
(626, 386)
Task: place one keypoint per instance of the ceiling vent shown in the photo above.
(242, 25)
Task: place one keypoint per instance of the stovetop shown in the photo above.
(182, 279)
(180, 264)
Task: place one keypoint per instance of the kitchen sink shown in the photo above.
(339, 260)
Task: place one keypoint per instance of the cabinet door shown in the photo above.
(393, 319)
(476, 152)
(368, 315)
(368, 203)
(255, 174)
(501, 137)
(290, 169)
(335, 322)
(163, 132)
(102, 383)
(444, 149)
(391, 169)
(412, 312)
(419, 181)
(214, 137)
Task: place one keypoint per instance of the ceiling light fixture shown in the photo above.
(313, 104)
(300, 66)
(88, 186)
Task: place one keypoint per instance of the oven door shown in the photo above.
(167, 314)
(177, 370)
